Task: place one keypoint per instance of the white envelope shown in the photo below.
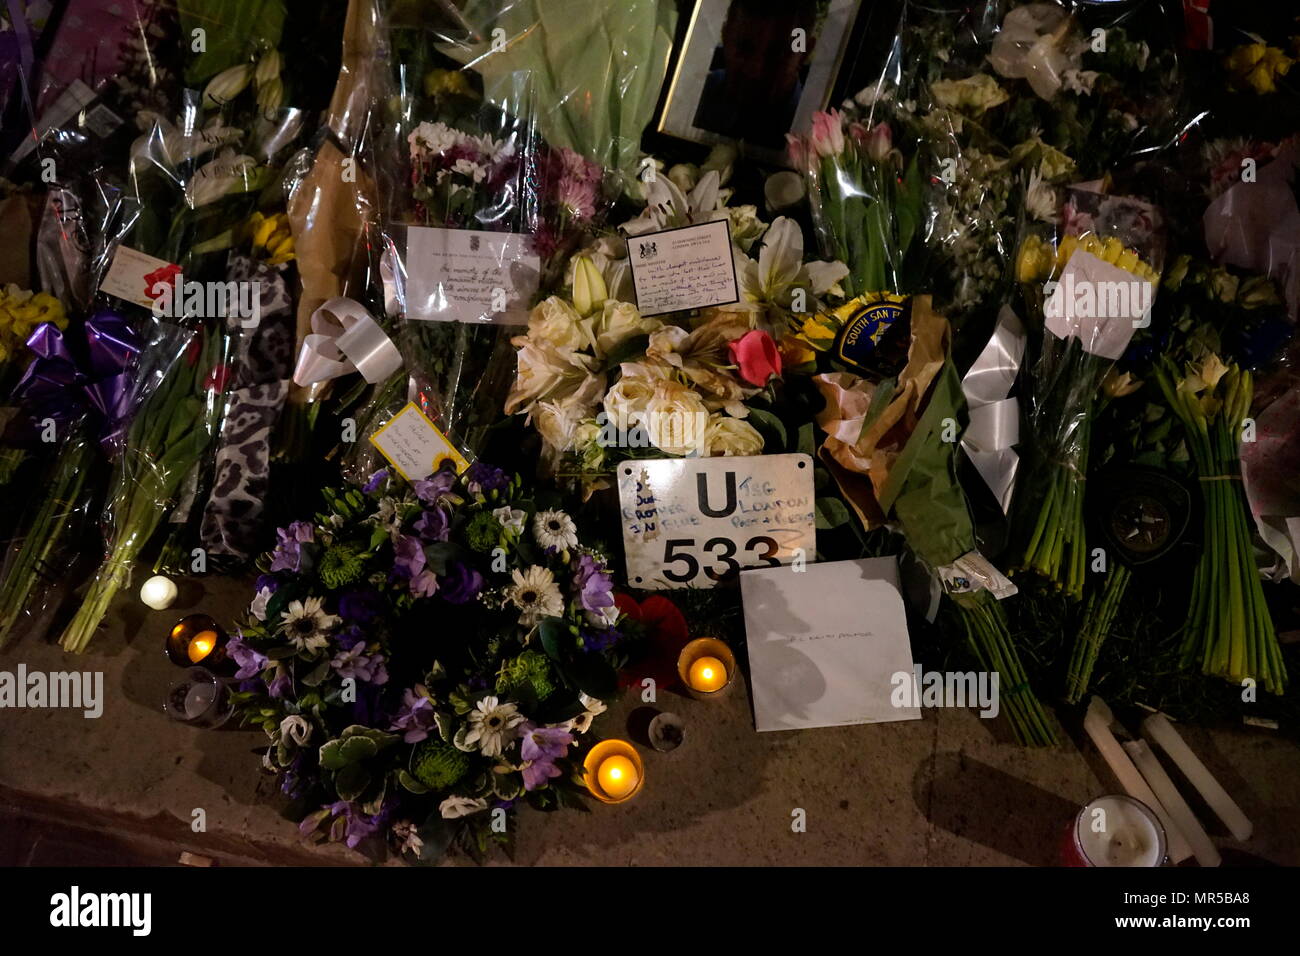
(825, 644)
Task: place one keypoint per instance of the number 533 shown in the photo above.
(721, 552)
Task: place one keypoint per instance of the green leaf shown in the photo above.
(770, 427)
(410, 783)
(555, 637)
(317, 673)
(806, 443)
(593, 675)
(331, 755)
(351, 782)
(831, 513)
(356, 749)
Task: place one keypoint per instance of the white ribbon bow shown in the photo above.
(345, 338)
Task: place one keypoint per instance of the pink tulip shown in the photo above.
(827, 134)
(757, 355)
(880, 142)
(798, 150)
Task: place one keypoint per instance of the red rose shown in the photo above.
(666, 635)
(757, 356)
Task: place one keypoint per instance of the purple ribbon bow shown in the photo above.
(56, 386)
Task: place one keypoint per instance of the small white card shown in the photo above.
(687, 268)
(414, 446)
(134, 276)
(1099, 304)
(825, 644)
(692, 522)
(463, 275)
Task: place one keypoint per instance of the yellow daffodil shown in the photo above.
(795, 352)
(1257, 66)
(1117, 384)
(270, 237)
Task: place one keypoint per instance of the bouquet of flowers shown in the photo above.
(1228, 630)
(425, 658)
(1090, 290)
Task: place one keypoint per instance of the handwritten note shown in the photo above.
(687, 268)
(414, 446)
(827, 646)
(692, 522)
(133, 275)
(463, 275)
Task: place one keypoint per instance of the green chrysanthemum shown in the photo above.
(483, 532)
(437, 765)
(529, 669)
(340, 566)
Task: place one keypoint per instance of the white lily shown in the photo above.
(668, 207)
(771, 280)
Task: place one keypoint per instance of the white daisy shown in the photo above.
(492, 725)
(512, 519)
(555, 529)
(306, 624)
(536, 595)
(454, 807)
(582, 723)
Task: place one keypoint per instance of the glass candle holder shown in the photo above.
(613, 771)
(198, 639)
(1114, 830)
(707, 668)
(199, 698)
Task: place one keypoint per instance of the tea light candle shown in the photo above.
(706, 666)
(198, 639)
(201, 645)
(708, 674)
(159, 592)
(617, 776)
(613, 771)
(1115, 831)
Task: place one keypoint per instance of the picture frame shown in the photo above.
(743, 65)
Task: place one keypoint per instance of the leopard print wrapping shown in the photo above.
(263, 364)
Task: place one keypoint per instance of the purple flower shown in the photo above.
(356, 825)
(281, 685)
(250, 661)
(357, 664)
(542, 746)
(433, 525)
(596, 640)
(424, 584)
(594, 583)
(430, 490)
(409, 556)
(349, 637)
(415, 718)
(375, 480)
(485, 477)
(289, 554)
(360, 606)
(461, 585)
(267, 582)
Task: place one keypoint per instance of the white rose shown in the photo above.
(731, 436)
(675, 419)
(455, 807)
(557, 421)
(296, 729)
(746, 227)
(557, 323)
(626, 402)
(619, 322)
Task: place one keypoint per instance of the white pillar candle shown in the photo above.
(1097, 724)
(159, 592)
(1161, 732)
(1173, 802)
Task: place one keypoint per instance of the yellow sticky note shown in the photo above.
(414, 446)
